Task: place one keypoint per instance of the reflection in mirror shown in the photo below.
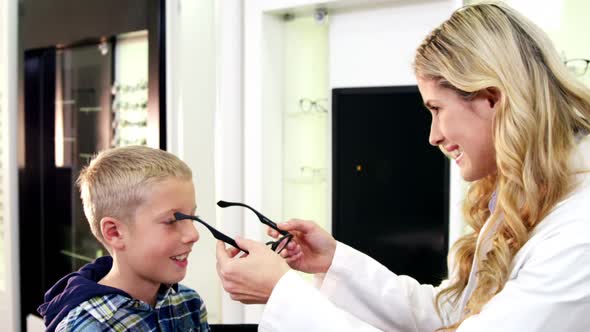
(85, 87)
(100, 102)
(130, 90)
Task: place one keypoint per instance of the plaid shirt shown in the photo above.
(177, 309)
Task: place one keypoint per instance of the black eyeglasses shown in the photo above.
(276, 246)
(577, 66)
(308, 105)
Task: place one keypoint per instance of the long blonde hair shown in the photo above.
(541, 108)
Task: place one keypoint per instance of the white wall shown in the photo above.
(376, 46)
(229, 132)
(191, 105)
(9, 286)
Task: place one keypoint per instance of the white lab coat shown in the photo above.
(548, 287)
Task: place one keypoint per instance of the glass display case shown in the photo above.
(80, 97)
(97, 107)
(304, 177)
(305, 120)
(82, 116)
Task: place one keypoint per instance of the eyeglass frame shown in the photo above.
(587, 61)
(316, 104)
(222, 237)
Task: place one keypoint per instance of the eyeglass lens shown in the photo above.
(318, 105)
(281, 243)
(577, 66)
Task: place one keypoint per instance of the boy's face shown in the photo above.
(157, 246)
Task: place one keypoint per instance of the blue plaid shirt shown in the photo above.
(177, 309)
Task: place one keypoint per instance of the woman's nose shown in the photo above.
(436, 136)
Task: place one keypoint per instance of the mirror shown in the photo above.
(91, 82)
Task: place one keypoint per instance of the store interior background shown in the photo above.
(230, 65)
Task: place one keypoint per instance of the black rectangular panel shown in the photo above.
(390, 186)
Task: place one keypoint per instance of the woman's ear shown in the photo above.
(113, 232)
(493, 96)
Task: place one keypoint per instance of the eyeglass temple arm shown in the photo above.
(216, 234)
(263, 219)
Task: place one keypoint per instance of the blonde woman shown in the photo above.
(516, 123)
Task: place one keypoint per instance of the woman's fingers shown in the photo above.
(222, 253)
(250, 279)
(293, 258)
(233, 252)
(294, 250)
(293, 225)
(303, 226)
(272, 233)
(292, 245)
(291, 251)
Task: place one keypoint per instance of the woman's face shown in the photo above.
(462, 128)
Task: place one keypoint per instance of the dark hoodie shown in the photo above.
(74, 289)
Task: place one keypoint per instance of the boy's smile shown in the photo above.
(181, 260)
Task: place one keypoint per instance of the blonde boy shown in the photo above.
(130, 195)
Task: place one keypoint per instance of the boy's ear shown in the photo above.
(113, 232)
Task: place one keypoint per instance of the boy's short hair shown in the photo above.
(115, 182)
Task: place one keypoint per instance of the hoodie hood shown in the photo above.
(74, 289)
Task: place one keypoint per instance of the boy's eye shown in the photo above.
(170, 222)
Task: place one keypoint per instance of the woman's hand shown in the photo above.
(249, 278)
(312, 248)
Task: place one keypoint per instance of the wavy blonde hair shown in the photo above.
(541, 108)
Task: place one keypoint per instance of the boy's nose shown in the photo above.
(190, 234)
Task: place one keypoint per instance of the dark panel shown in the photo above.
(63, 22)
(234, 327)
(35, 196)
(390, 187)
(157, 72)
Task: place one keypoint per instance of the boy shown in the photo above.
(130, 195)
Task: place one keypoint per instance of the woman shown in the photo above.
(516, 122)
